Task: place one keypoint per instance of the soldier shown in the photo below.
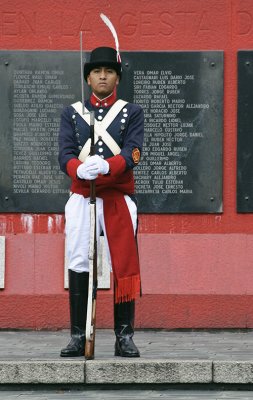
(119, 139)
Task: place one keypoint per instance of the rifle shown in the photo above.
(92, 290)
(92, 293)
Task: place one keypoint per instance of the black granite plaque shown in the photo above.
(244, 132)
(35, 86)
(182, 97)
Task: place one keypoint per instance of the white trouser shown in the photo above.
(77, 229)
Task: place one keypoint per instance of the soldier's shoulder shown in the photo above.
(134, 106)
(67, 109)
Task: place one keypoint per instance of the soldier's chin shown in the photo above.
(103, 93)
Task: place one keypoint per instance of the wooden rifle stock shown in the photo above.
(91, 306)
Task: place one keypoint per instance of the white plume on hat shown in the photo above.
(114, 34)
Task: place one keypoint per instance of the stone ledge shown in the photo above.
(45, 372)
(148, 371)
(125, 371)
(238, 372)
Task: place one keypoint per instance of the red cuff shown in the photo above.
(117, 165)
(72, 166)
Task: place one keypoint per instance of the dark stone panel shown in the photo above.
(182, 97)
(35, 86)
(244, 132)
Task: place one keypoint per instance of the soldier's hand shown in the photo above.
(83, 173)
(97, 165)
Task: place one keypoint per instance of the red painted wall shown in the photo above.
(196, 269)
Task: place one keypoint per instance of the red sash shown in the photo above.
(119, 227)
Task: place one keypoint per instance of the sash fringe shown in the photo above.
(127, 289)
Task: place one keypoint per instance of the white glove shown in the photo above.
(82, 173)
(92, 166)
(97, 165)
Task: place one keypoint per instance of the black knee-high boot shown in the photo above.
(78, 297)
(124, 330)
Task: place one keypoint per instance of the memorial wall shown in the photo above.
(190, 65)
(182, 97)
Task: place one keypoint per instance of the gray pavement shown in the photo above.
(185, 359)
(126, 394)
(181, 345)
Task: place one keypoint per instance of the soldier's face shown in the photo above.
(102, 81)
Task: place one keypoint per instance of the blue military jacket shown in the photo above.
(127, 129)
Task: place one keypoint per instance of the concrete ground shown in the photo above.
(126, 394)
(173, 365)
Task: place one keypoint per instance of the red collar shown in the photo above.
(106, 102)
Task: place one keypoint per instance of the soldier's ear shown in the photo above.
(88, 80)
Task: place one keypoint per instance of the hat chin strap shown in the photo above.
(104, 98)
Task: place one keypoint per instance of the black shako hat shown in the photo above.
(102, 57)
